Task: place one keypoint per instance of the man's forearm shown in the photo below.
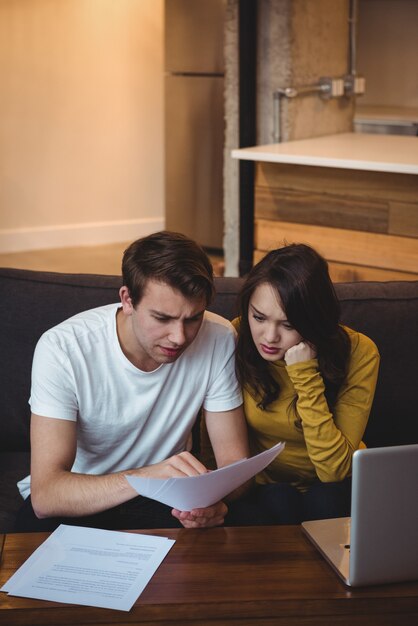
(64, 493)
(76, 495)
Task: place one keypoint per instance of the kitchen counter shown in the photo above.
(353, 151)
(352, 196)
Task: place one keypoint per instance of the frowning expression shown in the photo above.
(271, 331)
(160, 327)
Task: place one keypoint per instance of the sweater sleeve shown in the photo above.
(332, 438)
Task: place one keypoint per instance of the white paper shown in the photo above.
(91, 567)
(195, 492)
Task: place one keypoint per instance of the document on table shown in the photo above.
(195, 492)
(91, 567)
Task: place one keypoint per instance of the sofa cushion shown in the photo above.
(13, 467)
(32, 302)
(225, 302)
(388, 313)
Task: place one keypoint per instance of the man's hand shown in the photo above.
(202, 518)
(177, 466)
(302, 351)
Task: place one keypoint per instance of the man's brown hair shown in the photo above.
(170, 258)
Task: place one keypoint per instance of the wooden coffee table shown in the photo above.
(231, 576)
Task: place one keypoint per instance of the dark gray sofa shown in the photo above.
(31, 302)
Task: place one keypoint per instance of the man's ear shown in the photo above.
(126, 300)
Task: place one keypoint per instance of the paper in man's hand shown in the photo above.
(195, 492)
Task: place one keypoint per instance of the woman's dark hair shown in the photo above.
(170, 258)
(300, 277)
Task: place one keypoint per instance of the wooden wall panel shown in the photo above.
(331, 180)
(364, 223)
(344, 272)
(322, 210)
(345, 246)
(403, 219)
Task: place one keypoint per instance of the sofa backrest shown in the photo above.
(387, 312)
(31, 302)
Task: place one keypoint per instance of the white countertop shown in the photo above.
(354, 151)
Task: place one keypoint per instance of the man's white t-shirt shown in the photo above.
(127, 418)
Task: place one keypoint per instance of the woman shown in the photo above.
(307, 381)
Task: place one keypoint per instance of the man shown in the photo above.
(116, 390)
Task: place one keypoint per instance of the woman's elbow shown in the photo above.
(334, 474)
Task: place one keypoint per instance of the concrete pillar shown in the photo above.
(299, 41)
(231, 166)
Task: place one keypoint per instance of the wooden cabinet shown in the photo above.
(364, 223)
(352, 196)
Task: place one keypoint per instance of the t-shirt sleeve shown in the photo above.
(53, 388)
(224, 392)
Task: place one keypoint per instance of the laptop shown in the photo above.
(379, 543)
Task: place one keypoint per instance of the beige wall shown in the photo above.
(388, 52)
(81, 121)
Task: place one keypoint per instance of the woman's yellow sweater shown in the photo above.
(319, 444)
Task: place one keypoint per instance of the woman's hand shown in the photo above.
(303, 351)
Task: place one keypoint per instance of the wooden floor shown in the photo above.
(105, 259)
